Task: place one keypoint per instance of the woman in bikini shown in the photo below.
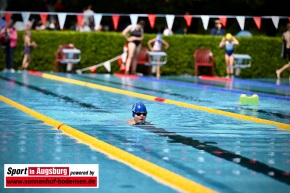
(134, 36)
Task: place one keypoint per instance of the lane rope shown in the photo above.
(158, 173)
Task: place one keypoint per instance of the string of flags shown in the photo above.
(151, 18)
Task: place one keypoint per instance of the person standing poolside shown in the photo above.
(286, 42)
(27, 49)
(157, 47)
(134, 36)
(228, 42)
(139, 114)
(8, 37)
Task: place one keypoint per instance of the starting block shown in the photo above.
(242, 61)
(157, 59)
(67, 54)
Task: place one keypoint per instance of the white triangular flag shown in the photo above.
(97, 18)
(241, 21)
(205, 20)
(169, 20)
(107, 65)
(25, 17)
(61, 19)
(275, 20)
(134, 19)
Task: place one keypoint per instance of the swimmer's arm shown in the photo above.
(166, 44)
(235, 41)
(125, 32)
(142, 34)
(222, 43)
(131, 122)
(150, 42)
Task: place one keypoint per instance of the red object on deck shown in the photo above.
(215, 78)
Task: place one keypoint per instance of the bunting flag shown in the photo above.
(152, 18)
(107, 65)
(205, 20)
(169, 20)
(134, 19)
(93, 69)
(115, 19)
(258, 21)
(241, 21)
(61, 19)
(25, 17)
(80, 20)
(223, 20)
(188, 19)
(43, 17)
(7, 17)
(97, 18)
(275, 20)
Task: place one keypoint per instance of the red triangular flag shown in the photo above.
(115, 21)
(43, 17)
(80, 19)
(152, 18)
(223, 20)
(7, 17)
(93, 69)
(188, 19)
(258, 21)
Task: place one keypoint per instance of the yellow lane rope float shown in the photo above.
(168, 101)
(158, 173)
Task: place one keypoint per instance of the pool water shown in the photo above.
(222, 153)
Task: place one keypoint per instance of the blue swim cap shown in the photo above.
(159, 37)
(138, 108)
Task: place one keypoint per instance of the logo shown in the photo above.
(51, 175)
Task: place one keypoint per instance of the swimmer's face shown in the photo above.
(140, 118)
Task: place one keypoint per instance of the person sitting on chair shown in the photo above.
(139, 113)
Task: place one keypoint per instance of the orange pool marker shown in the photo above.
(160, 99)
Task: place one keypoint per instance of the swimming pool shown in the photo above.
(200, 131)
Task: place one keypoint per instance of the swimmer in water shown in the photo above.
(139, 114)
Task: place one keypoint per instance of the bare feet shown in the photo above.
(278, 74)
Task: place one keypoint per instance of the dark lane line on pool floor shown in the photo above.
(277, 174)
(176, 164)
(66, 98)
(196, 99)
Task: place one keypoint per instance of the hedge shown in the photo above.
(98, 47)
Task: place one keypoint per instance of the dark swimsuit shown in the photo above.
(136, 33)
(27, 50)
